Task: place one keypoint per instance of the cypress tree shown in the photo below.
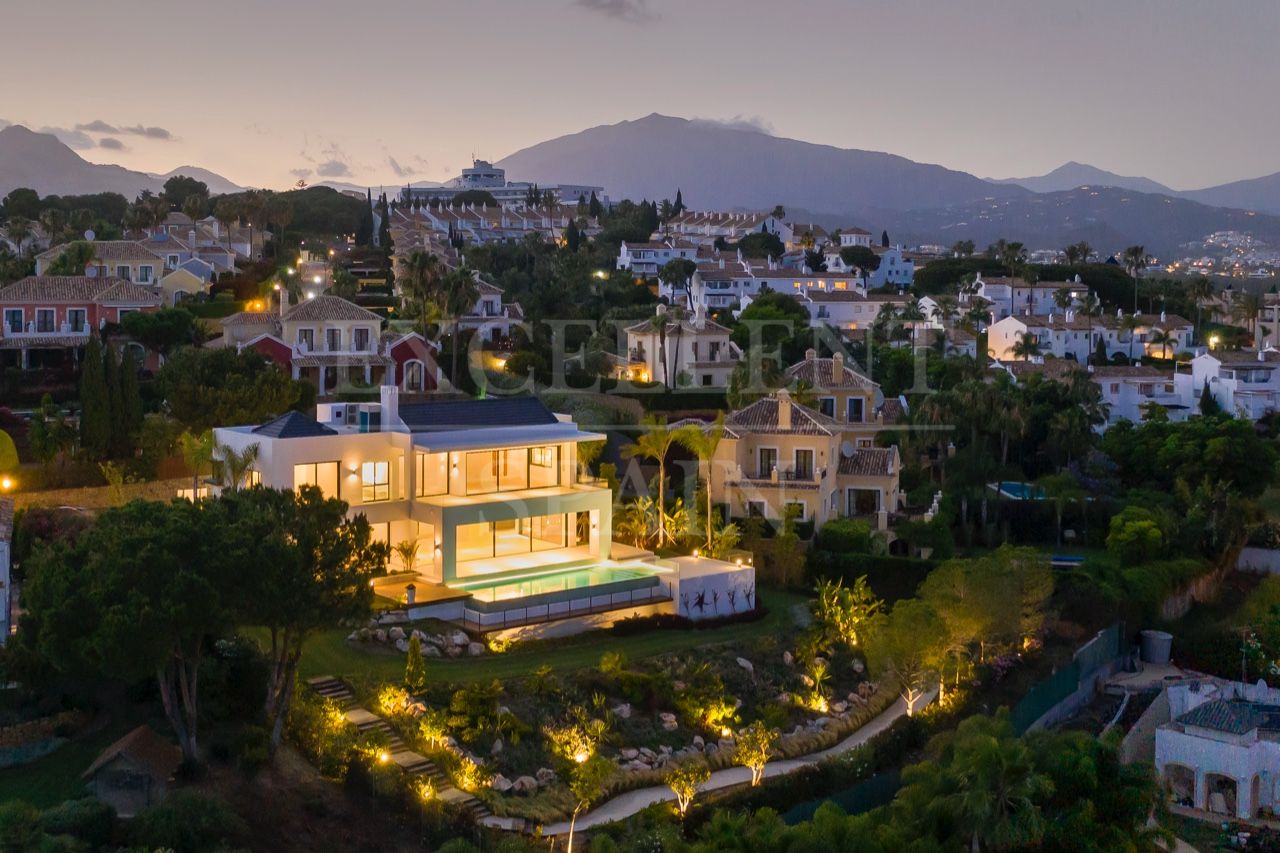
(117, 436)
(572, 236)
(594, 206)
(95, 402)
(130, 401)
(884, 239)
(415, 668)
(679, 205)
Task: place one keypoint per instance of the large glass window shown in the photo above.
(321, 474)
(475, 541)
(433, 474)
(482, 472)
(511, 537)
(76, 319)
(375, 482)
(547, 532)
(544, 466)
(513, 469)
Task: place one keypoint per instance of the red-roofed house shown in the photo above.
(53, 316)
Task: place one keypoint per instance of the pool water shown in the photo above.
(1020, 491)
(503, 589)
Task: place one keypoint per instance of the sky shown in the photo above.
(380, 92)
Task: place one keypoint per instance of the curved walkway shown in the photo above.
(627, 804)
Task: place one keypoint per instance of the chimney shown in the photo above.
(191, 239)
(837, 366)
(810, 354)
(390, 399)
(1162, 315)
(284, 300)
(784, 410)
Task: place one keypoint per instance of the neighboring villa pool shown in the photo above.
(544, 586)
(1018, 491)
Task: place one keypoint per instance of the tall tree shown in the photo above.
(861, 258)
(95, 402)
(304, 565)
(137, 594)
(702, 442)
(19, 230)
(118, 443)
(1135, 260)
(654, 442)
(130, 413)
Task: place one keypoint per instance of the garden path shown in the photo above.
(631, 802)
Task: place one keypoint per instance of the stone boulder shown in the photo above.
(545, 775)
(402, 645)
(630, 753)
(497, 747)
(525, 785)
(623, 711)
(459, 638)
(747, 665)
(430, 651)
(789, 659)
(475, 649)
(380, 635)
(500, 783)
(698, 742)
(396, 633)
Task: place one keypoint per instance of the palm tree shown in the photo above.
(911, 314)
(18, 229)
(1131, 323)
(1135, 260)
(1025, 347)
(999, 786)
(197, 454)
(418, 283)
(702, 443)
(1199, 290)
(658, 325)
(459, 294)
(1246, 307)
(654, 442)
(1061, 488)
(1089, 307)
(1165, 339)
(194, 207)
(54, 221)
(236, 465)
(1062, 298)
(227, 212)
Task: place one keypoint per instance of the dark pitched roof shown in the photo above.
(868, 462)
(144, 749)
(821, 374)
(293, 425)
(1232, 716)
(436, 415)
(762, 416)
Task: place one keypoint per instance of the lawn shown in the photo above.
(56, 777)
(329, 653)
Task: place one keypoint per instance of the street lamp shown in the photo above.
(6, 484)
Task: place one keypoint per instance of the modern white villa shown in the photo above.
(510, 533)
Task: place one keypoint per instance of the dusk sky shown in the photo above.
(384, 91)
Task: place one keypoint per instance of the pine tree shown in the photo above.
(594, 206)
(1208, 403)
(117, 432)
(415, 668)
(95, 403)
(130, 400)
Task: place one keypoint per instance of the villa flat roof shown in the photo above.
(502, 436)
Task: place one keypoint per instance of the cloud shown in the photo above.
(754, 124)
(631, 11)
(148, 132)
(112, 143)
(415, 165)
(300, 173)
(333, 169)
(98, 126)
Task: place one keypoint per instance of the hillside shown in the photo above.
(1071, 175)
(716, 166)
(43, 163)
(1260, 194)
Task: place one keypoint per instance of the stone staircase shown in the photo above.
(412, 763)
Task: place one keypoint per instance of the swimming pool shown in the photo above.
(610, 577)
(1018, 491)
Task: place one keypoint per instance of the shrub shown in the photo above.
(1135, 536)
(88, 820)
(254, 752)
(890, 578)
(845, 536)
(189, 822)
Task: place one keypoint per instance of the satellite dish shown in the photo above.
(89, 235)
(847, 449)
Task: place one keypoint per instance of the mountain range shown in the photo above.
(43, 163)
(728, 166)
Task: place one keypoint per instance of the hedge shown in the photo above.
(890, 578)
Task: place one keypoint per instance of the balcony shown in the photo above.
(35, 330)
(798, 478)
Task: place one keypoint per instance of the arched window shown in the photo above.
(414, 376)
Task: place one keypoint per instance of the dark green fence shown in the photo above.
(1045, 695)
(877, 791)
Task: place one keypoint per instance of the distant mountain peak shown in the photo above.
(1073, 173)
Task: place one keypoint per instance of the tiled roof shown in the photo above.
(1123, 371)
(251, 318)
(893, 410)
(1232, 716)
(867, 462)
(762, 416)
(146, 750)
(293, 425)
(44, 342)
(710, 327)
(342, 359)
(1053, 368)
(104, 290)
(108, 250)
(821, 373)
(435, 415)
(1248, 358)
(327, 307)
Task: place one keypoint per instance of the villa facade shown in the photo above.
(508, 530)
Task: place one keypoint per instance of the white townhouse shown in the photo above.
(1012, 295)
(1220, 750)
(897, 269)
(1245, 383)
(1127, 390)
(697, 351)
(1067, 334)
(847, 310)
(649, 257)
